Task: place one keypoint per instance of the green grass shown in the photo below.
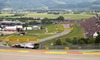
(76, 32)
(6, 15)
(24, 36)
(34, 20)
(35, 31)
(35, 34)
(43, 15)
(78, 16)
(22, 39)
(41, 33)
(66, 16)
(2, 38)
(52, 28)
(45, 35)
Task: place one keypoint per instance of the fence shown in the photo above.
(88, 46)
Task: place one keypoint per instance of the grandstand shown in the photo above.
(91, 26)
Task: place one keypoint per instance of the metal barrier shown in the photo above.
(67, 47)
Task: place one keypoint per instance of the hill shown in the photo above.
(50, 4)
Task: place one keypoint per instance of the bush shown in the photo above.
(97, 40)
(60, 18)
(58, 42)
(81, 42)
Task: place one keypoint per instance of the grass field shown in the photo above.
(36, 35)
(21, 39)
(2, 37)
(52, 28)
(76, 32)
(66, 16)
(35, 31)
(43, 15)
(6, 15)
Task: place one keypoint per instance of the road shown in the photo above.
(32, 56)
(58, 35)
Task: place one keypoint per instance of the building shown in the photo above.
(10, 25)
(36, 27)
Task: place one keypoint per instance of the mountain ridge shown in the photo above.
(49, 4)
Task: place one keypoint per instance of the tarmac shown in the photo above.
(59, 52)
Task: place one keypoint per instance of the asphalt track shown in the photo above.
(7, 53)
(58, 35)
(33, 56)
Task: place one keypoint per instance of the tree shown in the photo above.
(97, 16)
(91, 41)
(25, 25)
(97, 40)
(75, 41)
(46, 21)
(68, 40)
(60, 18)
(84, 39)
(2, 27)
(81, 42)
(33, 23)
(58, 42)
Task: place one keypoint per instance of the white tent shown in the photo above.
(10, 28)
(27, 28)
(95, 35)
(36, 27)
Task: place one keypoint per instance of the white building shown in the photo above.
(13, 28)
(36, 27)
(10, 25)
(32, 28)
(27, 28)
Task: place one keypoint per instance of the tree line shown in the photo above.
(78, 41)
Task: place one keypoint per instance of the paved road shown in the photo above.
(58, 35)
(32, 56)
(60, 50)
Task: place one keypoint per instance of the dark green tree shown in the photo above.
(60, 18)
(97, 40)
(84, 39)
(46, 21)
(81, 42)
(75, 41)
(58, 42)
(91, 41)
(33, 23)
(98, 16)
(25, 25)
(68, 40)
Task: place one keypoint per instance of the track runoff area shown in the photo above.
(46, 51)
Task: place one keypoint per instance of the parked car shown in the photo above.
(26, 45)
